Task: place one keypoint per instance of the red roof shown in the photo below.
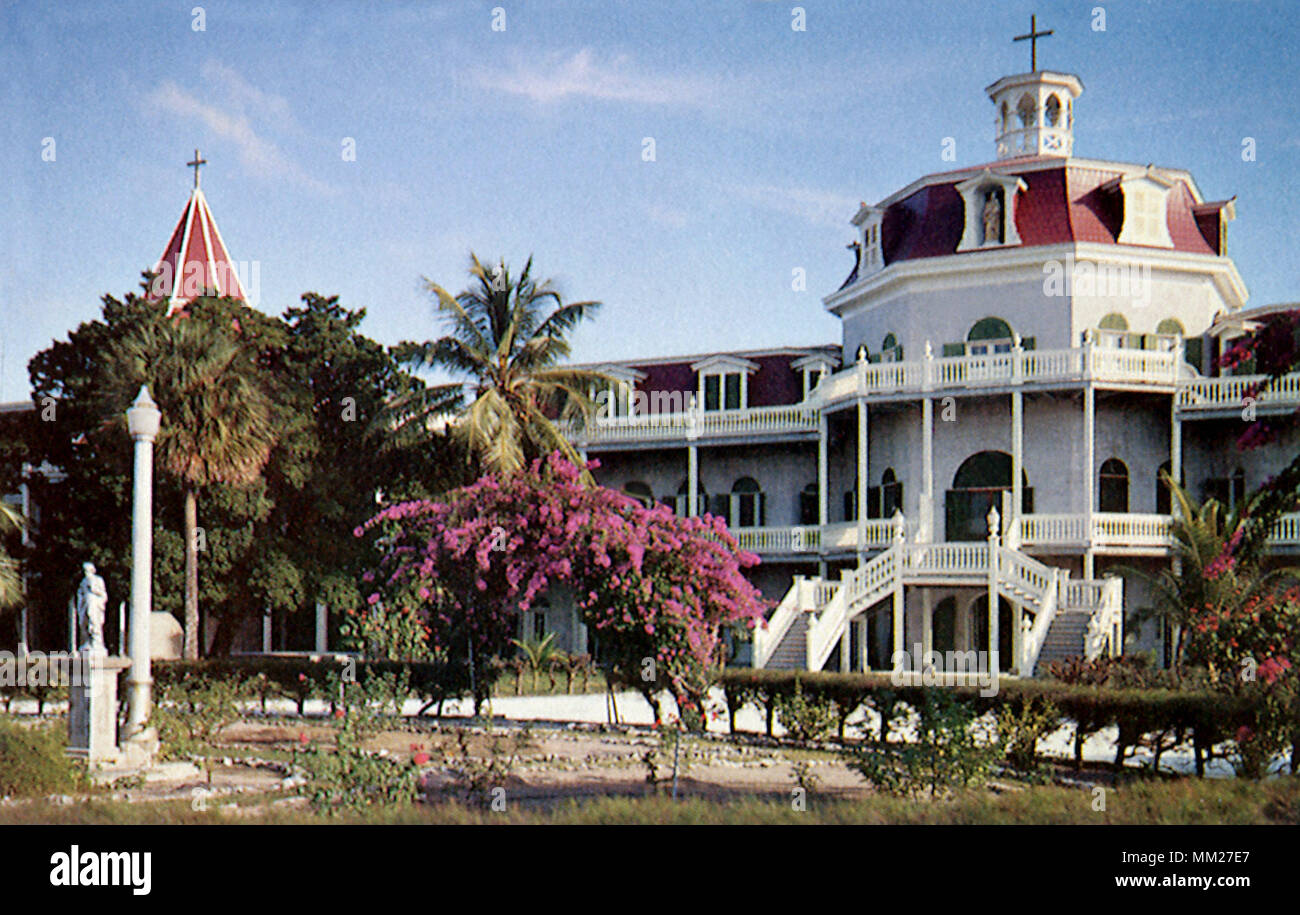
(1064, 204)
(195, 261)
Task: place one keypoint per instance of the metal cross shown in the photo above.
(196, 164)
(1032, 38)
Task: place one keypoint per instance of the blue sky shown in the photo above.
(529, 140)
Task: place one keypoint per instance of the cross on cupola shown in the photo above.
(1032, 38)
(196, 163)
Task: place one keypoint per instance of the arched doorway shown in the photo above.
(978, 486)
(980, 629)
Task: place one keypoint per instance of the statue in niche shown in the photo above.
(992, 217)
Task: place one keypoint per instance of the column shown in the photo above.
(823, 483)
(1017, 458)
(927, 468)
(266, 632)
(1089, 471)
(143, 420)
(1175, 443)
(862, 481)
(995, 549)
(927, 627)
(692, 480)
(322, 628)
(846, 638)
(898, 622)
(864, 628)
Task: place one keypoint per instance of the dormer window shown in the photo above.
(871, 256)
(723, 382)
(990, 201)
(813, 369)
(617, 395)
(1145, 207)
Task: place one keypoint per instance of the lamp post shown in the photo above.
(142, 419)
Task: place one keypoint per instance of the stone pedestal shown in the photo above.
(92, 708)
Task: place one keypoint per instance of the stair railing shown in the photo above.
(857, 586)
(1032, 644)
(767, 639)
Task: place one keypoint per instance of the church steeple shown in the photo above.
(196, 261)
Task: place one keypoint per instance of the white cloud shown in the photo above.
(229, 108)
(584, 75)
(815, 207)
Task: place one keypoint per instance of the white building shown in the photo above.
(1026, 343)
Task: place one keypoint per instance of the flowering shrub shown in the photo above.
(656, 590)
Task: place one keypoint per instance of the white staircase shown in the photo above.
(1068, 618)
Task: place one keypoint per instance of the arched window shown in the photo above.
(1164, 497)
(979, 629)
(943, 626)
(1171, 326)
(978, 486)
(1025, 110)
(746, 503)
(891, 494)
(639, 491)
(809, 505)
(989, 335)
(1113, 321)
(1052, 111)
(1113, 489)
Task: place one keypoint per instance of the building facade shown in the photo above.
(975, 467)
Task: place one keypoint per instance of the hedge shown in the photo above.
(1206, 716)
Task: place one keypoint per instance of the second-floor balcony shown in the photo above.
(1230, 394)
(1159, 368)
(694, 424)
(1111, 532)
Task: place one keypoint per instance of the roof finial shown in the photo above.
(1033, 37)
(196, 164)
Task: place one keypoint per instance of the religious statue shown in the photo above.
(992, 217)
(92, 601)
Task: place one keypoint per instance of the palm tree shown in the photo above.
(11, 584)
(507, 334)
(219, 415)
(1204, 572)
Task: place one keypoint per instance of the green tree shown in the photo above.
(1204, 574)
(222, 413)
(508, 334)
(11, 584)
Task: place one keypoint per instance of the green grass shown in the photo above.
(1186, 802)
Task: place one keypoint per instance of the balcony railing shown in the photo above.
(697, 424)
(1109, 530)
(1230, 393)
(1099, 363)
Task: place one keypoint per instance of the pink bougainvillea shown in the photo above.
(655, 589)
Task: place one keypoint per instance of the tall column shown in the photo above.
(1175, 443)
(995, 550)
(898, 622)
(927, 627)
(864, 627)
(322, 628)
(692, 480)
(927, 467)
(1089, 471)
(143, 420)
(823, 483)
(862, 481)
(1017, 459)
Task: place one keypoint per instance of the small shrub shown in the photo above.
(32, 761)
(949, 751)
(192, 711)
(806, 718)
(348, 776)
(1021, 726)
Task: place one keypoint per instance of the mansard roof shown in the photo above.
(1064, 200)
(774, 381)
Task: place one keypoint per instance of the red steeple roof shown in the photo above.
(196, 261)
